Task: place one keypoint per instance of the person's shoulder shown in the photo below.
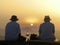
(51, 23)
(17, 24)
(42, 23)
(8, 23)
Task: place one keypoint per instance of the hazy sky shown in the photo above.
(30, 11)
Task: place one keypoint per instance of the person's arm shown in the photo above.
(19, 30)
(39, 29)
(53, 28)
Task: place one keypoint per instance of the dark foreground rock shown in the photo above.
(31, 42)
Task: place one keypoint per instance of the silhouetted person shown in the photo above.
(47, 30)
(12, 29)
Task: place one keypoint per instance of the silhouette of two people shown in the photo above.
(47, 30)
(12, 29)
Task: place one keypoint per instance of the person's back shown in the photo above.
(12, 30)
(46, 31)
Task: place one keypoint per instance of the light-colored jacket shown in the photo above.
(12, 30)
(46, 30)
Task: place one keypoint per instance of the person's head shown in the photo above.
(14, 18)
(47, 19)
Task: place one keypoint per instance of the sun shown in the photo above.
(31, 24)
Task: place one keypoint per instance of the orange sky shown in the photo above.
(32, 11)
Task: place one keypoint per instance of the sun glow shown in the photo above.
(31, 24)
(31, 20)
